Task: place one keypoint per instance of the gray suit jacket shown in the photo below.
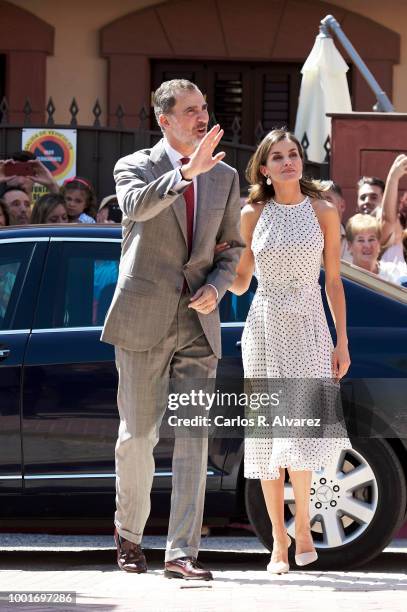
(154, 258)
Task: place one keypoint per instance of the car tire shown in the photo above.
(382, 499)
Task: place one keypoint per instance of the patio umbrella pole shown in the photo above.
(383, 103)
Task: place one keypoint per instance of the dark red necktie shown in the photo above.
(189, 196)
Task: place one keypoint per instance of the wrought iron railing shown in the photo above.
(99, 146)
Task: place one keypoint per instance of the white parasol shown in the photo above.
(324, 89)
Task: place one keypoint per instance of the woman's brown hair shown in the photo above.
(259, 191)
(4, 209)
(44, 207)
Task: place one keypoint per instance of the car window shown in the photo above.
(234, 308)
(80, 280)
(14, 260)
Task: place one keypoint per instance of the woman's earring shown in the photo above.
(268, 181)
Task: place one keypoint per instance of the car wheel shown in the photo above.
(356, 506)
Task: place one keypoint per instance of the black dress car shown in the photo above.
(58, 414)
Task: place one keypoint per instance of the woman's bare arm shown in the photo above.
(389, 218)
(330, 225)
(245, 268)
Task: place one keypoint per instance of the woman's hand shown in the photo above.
(340, 361)
(399, 167)
(222, 246)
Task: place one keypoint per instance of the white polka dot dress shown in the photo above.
(286, 336)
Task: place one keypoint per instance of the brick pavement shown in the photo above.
(240, 583)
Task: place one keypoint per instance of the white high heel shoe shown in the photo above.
(306, 558)
(279, 567)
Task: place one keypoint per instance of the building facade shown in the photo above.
(246, 58)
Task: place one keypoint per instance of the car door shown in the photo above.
(21, 262)
(69, 414)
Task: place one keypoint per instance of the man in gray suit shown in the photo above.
(178, 201)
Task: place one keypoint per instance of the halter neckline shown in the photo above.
(289, 205)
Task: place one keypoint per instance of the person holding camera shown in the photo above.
(17, 178)
(22, 171)
(109, 210)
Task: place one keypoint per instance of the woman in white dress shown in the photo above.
(286, 227)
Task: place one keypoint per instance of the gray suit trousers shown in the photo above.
(144, 376)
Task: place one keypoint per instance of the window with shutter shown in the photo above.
(228, 100)
(276, 101)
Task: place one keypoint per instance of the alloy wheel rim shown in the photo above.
(344, 499)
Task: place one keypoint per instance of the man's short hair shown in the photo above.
(371, 180)
(165, 97)
(14, 189)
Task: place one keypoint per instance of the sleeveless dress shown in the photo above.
(286, 336)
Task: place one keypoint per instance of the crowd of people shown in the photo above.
(374, 238)
(74, 202)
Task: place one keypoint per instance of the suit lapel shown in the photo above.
(162, 165)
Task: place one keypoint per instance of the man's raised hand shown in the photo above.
(202, 160)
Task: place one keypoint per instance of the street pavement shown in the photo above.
(86, 565)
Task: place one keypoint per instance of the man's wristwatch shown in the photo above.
(183, 177)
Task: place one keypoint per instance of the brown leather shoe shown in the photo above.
(187, 568)
(130, 557)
